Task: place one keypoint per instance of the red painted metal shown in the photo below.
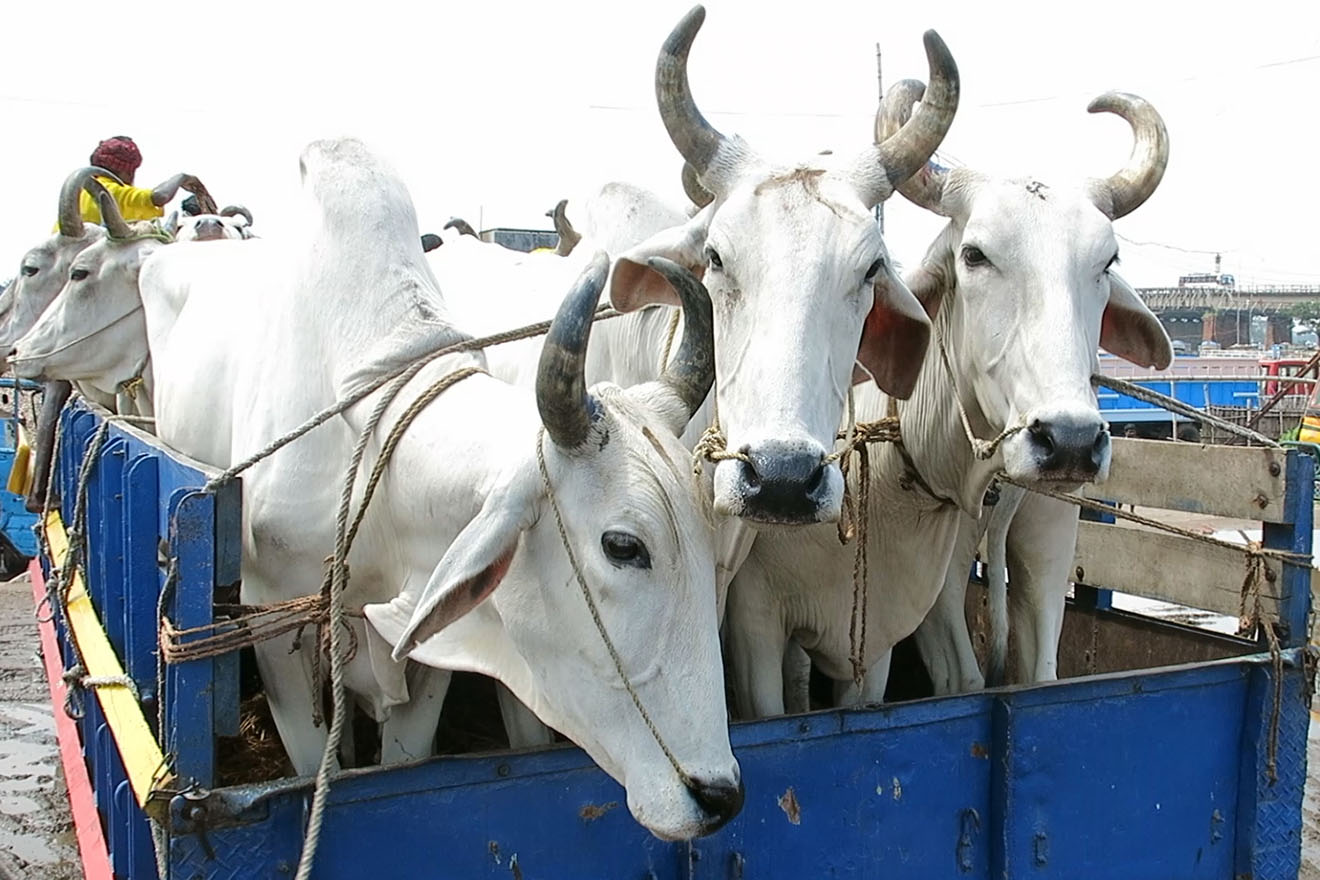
(86, 821)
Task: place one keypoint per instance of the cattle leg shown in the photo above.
(524, 729)
(1040, 548)
(408, 732)
(943, 639)
(754, 644)
(797, 679)
(52, 401)
(1000, 517)
(872, 691)
(288, 682)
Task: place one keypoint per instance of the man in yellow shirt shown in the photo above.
(121, 157)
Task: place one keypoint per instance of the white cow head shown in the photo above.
(94, 330)
(640, 530)
(233, 222)
(1023, 273)
(802, 286)
(45, 267)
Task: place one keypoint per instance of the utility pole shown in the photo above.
(880, 88)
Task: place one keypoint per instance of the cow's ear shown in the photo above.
(634, 284)
(894, 337)
(473, 566)
(1130, 330)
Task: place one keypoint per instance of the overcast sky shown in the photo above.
(494, 111)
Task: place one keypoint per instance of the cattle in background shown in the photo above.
(1018, 261)
(231, 222)
(459, 564)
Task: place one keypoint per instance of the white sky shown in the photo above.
(495, 110)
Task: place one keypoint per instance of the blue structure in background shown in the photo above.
(1145, 775)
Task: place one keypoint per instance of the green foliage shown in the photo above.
(1292, 434)
(1304, 311)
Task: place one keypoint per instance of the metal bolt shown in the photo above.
(503, 770)
(804, 727)
(1081, 574)
(1275, 470)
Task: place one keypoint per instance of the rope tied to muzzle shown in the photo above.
(581, 579)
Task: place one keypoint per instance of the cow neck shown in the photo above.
(936, 444)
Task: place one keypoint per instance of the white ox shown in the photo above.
(232, 222)
(1021, 284)
(44, 268)
(459, 563)
(802, 286)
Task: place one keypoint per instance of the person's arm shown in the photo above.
(163, 192)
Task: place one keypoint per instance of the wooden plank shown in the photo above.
(86, 823)
(1233, 481)
(1168, 567)
(144, 763)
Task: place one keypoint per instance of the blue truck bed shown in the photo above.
(1158, 772)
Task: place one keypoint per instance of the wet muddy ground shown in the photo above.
(36, 833)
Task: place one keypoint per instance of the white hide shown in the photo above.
(250, 345)
(93, 332)
(1022, 333)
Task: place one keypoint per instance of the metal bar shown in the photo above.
(1284, 389)
(143, 760)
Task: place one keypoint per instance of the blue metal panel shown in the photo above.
(108, 485)
(141, 502)
(194, 727)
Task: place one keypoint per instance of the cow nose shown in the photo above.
(783, 486)
(721, 798)
(1068, 449)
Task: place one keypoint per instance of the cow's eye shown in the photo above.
(78, 274)
(973, 256)
(713, 256)
(874, 270)
(29, 271)
(623, 549)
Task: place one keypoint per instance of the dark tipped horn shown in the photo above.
(463, 227)
(52, 401)
(568, 236)
(71, 221)
(115, 225)
(236, 211)
(698, 194)
(906, 151)
(1124, 191)
(561, 388)
(431, 241)
(692, 370)
(696, 139)
(926, 187)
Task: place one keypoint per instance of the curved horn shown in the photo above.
(568, 236)
(463, 227)
(699, 143)
(926, 187)
(431, 241)
(1125, 190)
(902, 154)
(561, 388)
(115, 225)
(698, 194)
(692, 370)
(71, 221)
(236, 211)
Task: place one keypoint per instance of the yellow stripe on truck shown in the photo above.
(143, 760)
(1310, 432)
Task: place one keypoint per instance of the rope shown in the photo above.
(337, 579)
(669, 338)
(1177, 406)
(603, 313)
(596, 618)
(982, 449)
